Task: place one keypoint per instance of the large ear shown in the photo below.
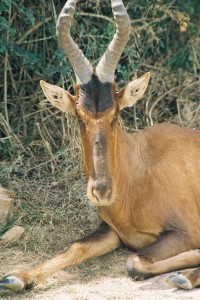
(58, 97)
(133, 91)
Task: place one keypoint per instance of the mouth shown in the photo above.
(108, 201)
(100, 203)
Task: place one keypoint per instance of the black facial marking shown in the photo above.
(96, 96)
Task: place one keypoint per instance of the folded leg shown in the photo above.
(162, 257)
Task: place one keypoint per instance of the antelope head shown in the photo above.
(96, 102)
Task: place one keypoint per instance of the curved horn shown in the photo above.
(106, 67)
(82, 67)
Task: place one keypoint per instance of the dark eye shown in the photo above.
(80, 120)
(114, 120)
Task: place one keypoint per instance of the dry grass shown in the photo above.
(53, 212)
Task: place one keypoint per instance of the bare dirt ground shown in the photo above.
(102, 278)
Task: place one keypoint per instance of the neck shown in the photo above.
(129, 167)
(128, 158)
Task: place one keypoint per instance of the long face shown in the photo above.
(97, 106)
(96, 103)
(97, 111)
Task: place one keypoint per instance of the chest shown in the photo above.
(132, 232)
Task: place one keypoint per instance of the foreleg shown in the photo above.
(162, 257)
(99, 243)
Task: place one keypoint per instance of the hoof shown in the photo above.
(134, 270)
(11, 284)
(180, 282)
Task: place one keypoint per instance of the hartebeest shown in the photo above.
(146, 185)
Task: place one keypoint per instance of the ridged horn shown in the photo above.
(106, 67)
(82, 67)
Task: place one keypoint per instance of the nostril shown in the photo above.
(109, 193)
(95, 194)
(101, 193)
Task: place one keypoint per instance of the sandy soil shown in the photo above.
(102, 278)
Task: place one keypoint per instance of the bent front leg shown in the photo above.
(162, 257)
(100, 242)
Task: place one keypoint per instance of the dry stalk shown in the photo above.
(10, 134)
(48, 147)
(6, 73)
(32, 29)
(6, 87)
(157, 101)
(97, 16)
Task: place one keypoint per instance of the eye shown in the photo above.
(114, 120)
(79, 119)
